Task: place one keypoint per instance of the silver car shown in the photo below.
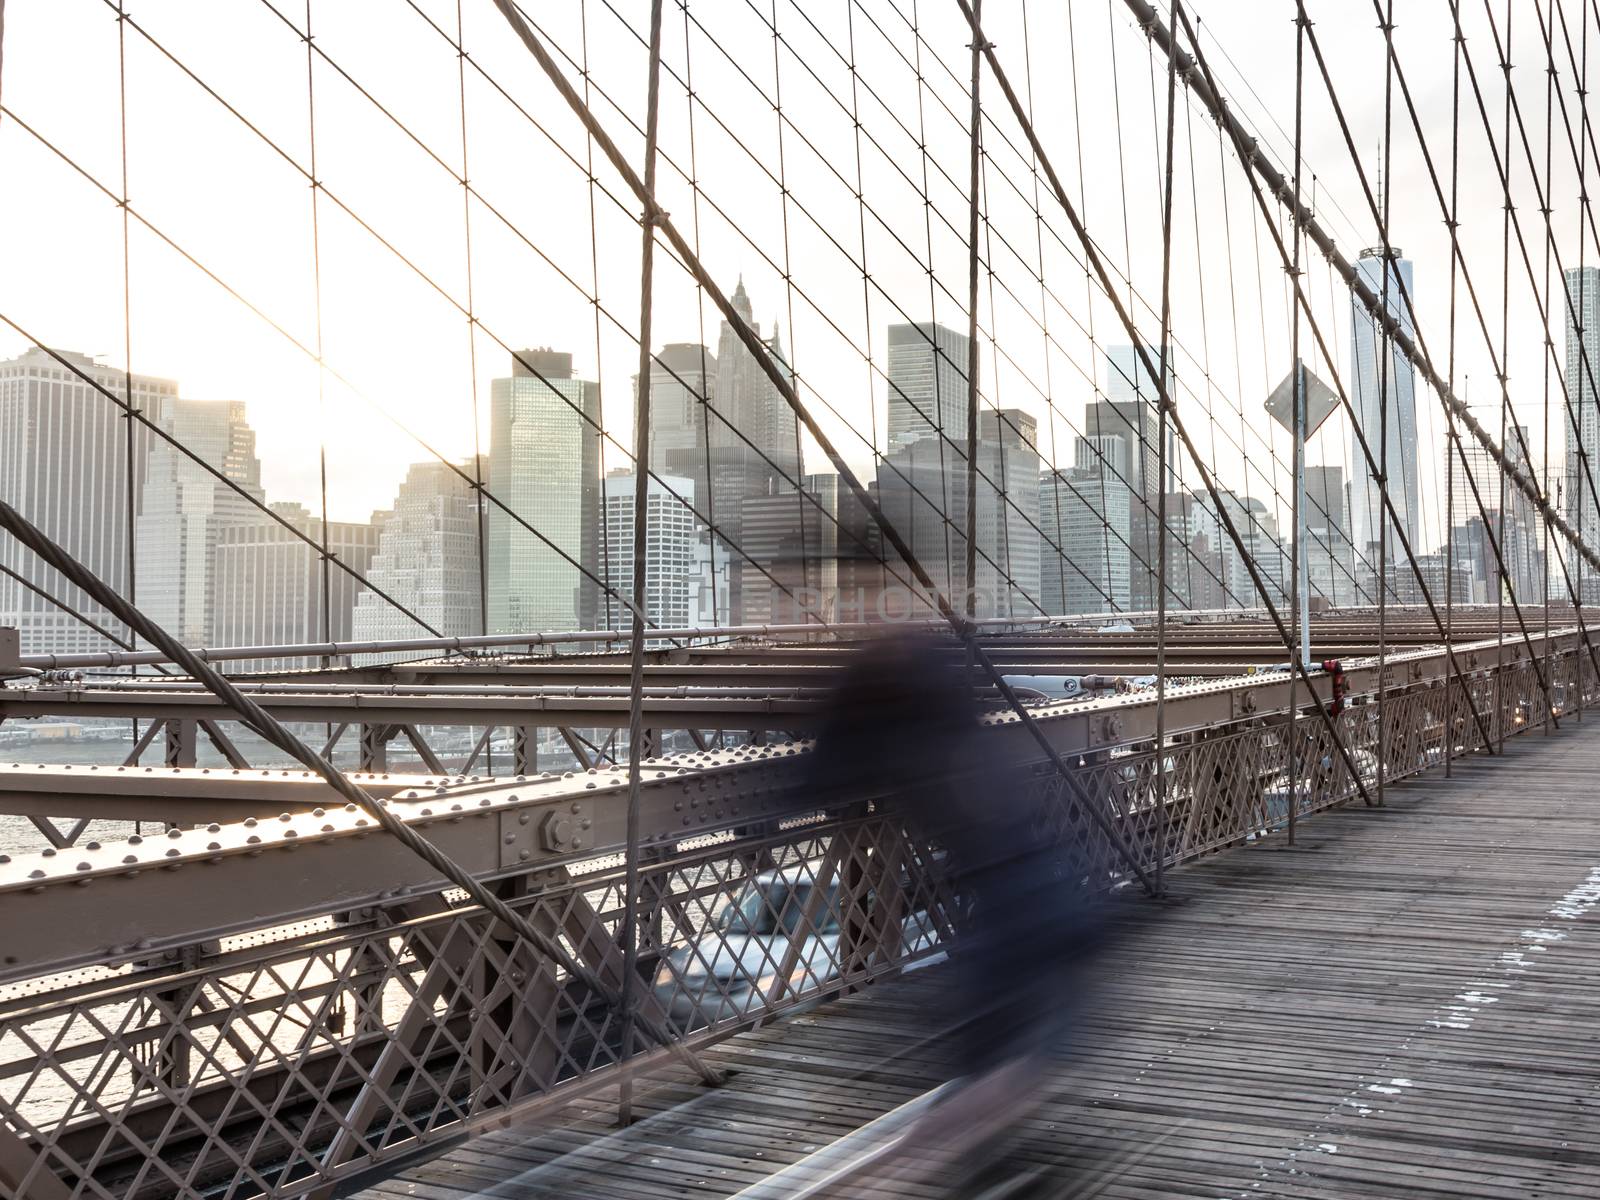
(778, 939)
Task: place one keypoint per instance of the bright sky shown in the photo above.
(402, 375)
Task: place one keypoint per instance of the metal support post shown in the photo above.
(524, 750)
(374, 750)
(629, 932)
(182, 744)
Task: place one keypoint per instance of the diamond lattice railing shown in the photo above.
(266, 1065)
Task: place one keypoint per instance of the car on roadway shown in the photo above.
(778, 937)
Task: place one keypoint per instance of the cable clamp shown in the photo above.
(654, 214)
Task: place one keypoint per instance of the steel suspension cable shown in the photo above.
(1161, 477)
(481, 523)
(1421, 341)
(641, 546)
(1166, 399)
(263, 723)
(1299, 414)
(684, 252)
(215, 472)
(972, 333)
(1274, 181)
(1143, 436)
(1372, 460)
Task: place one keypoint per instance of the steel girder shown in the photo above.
(118, 901)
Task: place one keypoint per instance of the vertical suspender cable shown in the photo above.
(1449, 415)
(707, 393)
(316, 278)
(641, 501)
(1544, 452)
(1386, 380)
(1161, 477)
(768, 364)
(130, 497)
(1579, 323)
(1298, 468)
(611, 578)
(971, 576)
(1092, 253)
(1505, 369)
(472, 364)
(472, 333)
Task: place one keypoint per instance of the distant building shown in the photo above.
(863, 577)
(426, 561)
(709, 588)
(269, 583)
(683, 385)
(671, 538)
(1085, 512)
(1578, 501)
(1123, 433)
(184, 508)
(1512, 521)
(1383, 396)
(924, 496)
(927, 373)
(791, 540)
(1330, 549)
(1008, 566)
(755, 444)
(64, 464)
(544, 467)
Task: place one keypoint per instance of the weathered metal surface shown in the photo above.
(271, 1004)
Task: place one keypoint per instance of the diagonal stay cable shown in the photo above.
(1182, 430)
(888, 228)
(1274, 181)
(263, 723)
(1370, 457)
(1405, 305)
(1459, 260)
(780, 380)
(1144, 559)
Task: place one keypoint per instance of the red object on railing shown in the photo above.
(1341, 686)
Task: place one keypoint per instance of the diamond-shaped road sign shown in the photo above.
(1320, 402)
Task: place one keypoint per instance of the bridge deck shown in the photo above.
(1402, 1004)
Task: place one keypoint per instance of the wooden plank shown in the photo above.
(1399, 1005)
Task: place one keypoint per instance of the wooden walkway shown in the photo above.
(1402, 1005)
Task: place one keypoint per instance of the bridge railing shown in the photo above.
(267, 1007)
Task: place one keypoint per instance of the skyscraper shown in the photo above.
(1123, 431)
(924, 496)
(184, 507)
(791, 540)
(1330, 554)
(766, 458)
(927, 373)
(1579, 502)
(1084, 511)
(426, 560)
(544, 466)
(683, 384)
(1512, 521)
(1386, 407)
(64, 464)
(670, 540)
(269, 590)
(1007, 572)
